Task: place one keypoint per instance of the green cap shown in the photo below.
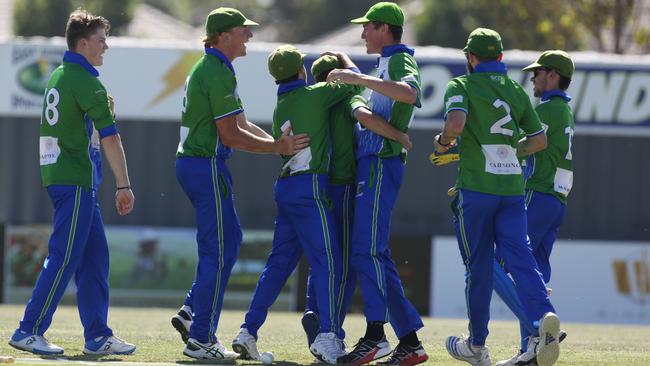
(285, 61)
(222, 19)
(384, 12)
(555, 59)
(484, 42)
(323, 64)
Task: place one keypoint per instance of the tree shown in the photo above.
(29, 18)
(612, 25)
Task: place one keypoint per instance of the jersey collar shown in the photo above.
(221, 56)
(494, 67)
(388, 51)
(555, 93)
(291, 85)
(79, 59)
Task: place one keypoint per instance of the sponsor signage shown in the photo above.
(592, 281)
(147, 83)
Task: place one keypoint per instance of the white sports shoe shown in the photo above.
(246, 345)
(327, 347)
(108, 345)
(460, 349)
(182, 322)
(209, 351)
(33, 343)
(548, 344)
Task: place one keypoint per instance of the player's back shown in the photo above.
(497, 107)
(553, 167)
(72, 96)
(307, 110)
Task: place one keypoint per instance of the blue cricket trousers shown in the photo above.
(378, 183)
(482, 221)
(77, 246)
(545, 215)
(208, 185)
(342, 197)
(304, 224)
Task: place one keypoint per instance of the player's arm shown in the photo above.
(380, 126)
(344, 59)
(231, 134)
(245, 124)
(531, 144)
(454, 125)
(396, 90)
(114, 151)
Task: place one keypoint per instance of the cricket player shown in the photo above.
(304, 223)
(549, 183)
(380, 169)
(77, 118)
(343, 118)
(487, 109)
(212, 124)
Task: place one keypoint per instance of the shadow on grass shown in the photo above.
(204, 362)
(82, 357)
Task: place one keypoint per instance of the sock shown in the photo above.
(411, 339)
(374, 331)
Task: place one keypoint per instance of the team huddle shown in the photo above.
(343, 145)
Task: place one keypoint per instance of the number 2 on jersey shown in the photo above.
(497, 127)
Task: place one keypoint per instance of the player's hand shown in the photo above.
(440, 148)
(111, 104)
(289, 144)
(451, 155)
(405, 141)
(344, 76)
(332, 53)
(124, 200)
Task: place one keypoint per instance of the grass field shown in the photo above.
(158, 342)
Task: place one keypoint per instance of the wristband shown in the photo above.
(125, 187)
(444, 145)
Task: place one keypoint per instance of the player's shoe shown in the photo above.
(405, 355)
(182, 322)
(108, 345)
(366, 351)
(327, 347)
(311, 324)
(246, 345)
(528, 358)
(461, 349)
(212, 352)
(548, 343)
(33, 343)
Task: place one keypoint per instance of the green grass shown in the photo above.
(157, 341)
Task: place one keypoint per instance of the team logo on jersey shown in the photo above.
(632, 276)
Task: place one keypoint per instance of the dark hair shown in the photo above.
(322, 76)
(564, 82)
(290, 78)
(395, 30)
(82, 24)
(486, 59)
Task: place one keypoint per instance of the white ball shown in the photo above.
(267, 358)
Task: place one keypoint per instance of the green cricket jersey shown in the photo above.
(210, 94)
(397, 64)
(306, 109)
(342, 122)
(497, 107)
(552, 168)
(75, 106)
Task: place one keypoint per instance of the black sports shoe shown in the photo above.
(366, 351)
(181, 322)
(311, 324)
(405, 355)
